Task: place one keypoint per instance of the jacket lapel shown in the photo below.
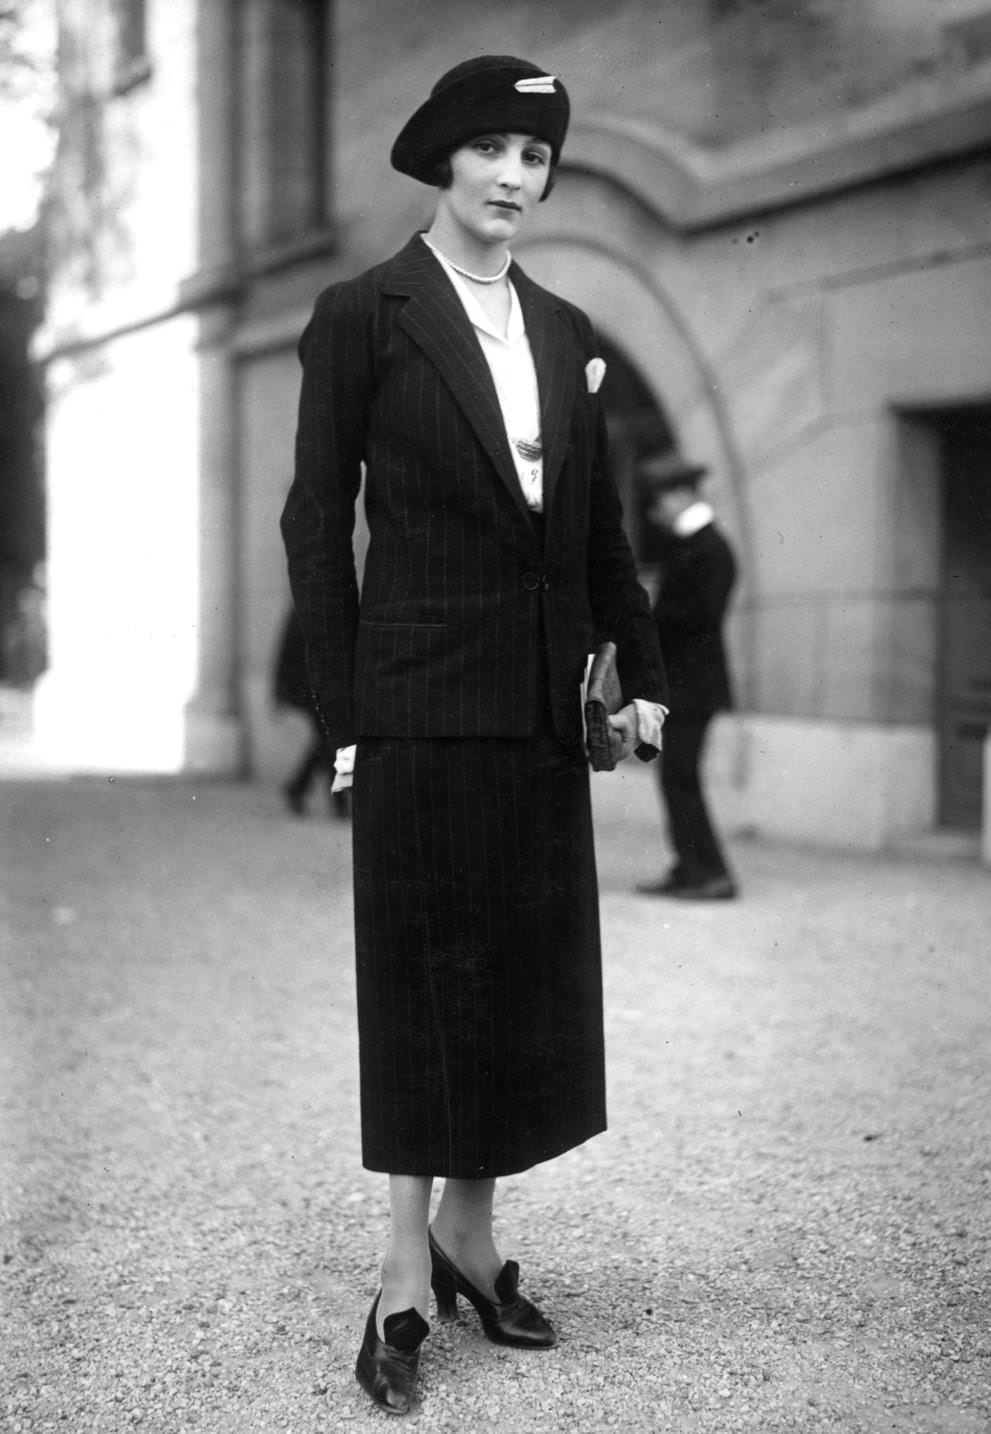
(552, 344)
(435, 319)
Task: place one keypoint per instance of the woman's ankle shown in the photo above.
(473, 1252)
(405, 1279)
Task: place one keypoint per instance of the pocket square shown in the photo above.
(595, 372)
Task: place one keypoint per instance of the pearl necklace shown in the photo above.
(465, 273)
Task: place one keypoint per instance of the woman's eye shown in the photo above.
(535, 156)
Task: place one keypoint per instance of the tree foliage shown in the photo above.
(27, 58)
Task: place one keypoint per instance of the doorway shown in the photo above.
(23, 632)
(637, 425)
(963, 700)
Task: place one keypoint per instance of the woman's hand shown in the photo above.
(623, 732)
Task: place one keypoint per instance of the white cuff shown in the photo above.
(343, 769)
(650, 720)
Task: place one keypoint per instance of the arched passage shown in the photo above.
(641, 323)
(637, 424)
(637, 318)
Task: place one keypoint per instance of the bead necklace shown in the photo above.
(465, 273)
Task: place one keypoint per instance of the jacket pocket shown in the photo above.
(371, 622)
(388, 650)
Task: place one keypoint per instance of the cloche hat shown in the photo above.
(489, 94)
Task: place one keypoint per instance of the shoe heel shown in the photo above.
(445, 1293)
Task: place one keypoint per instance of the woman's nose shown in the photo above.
(511, 176)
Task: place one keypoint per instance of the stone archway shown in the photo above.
(633, 311)
(636, 424)
(630, 308)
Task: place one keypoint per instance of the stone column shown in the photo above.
(986, 807)
(214, 724)
(213, 735)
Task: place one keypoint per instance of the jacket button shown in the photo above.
(531, 581)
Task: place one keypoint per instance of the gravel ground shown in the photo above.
(786, 1227)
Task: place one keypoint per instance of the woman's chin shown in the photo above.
(501, 227)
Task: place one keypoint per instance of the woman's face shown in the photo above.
(496, 179)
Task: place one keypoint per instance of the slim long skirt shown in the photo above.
(479, 977)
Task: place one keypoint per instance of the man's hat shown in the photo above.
(492, 94)
(669, 470)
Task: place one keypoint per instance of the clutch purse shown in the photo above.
(603, 697)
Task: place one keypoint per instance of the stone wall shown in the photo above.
(776, 214)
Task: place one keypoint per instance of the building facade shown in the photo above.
(778, 216)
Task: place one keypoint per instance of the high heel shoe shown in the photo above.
(510, 1319)
(386, 1368)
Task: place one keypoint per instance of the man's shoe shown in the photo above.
(717, 888)
(295, 796)
(667, 886)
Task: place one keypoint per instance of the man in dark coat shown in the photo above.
(697, 573)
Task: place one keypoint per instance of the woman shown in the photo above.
(496, 561)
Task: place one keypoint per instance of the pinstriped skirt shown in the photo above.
(479, 977)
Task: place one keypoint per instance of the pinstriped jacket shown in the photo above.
(457, 593)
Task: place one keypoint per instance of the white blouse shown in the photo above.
(510, 362)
